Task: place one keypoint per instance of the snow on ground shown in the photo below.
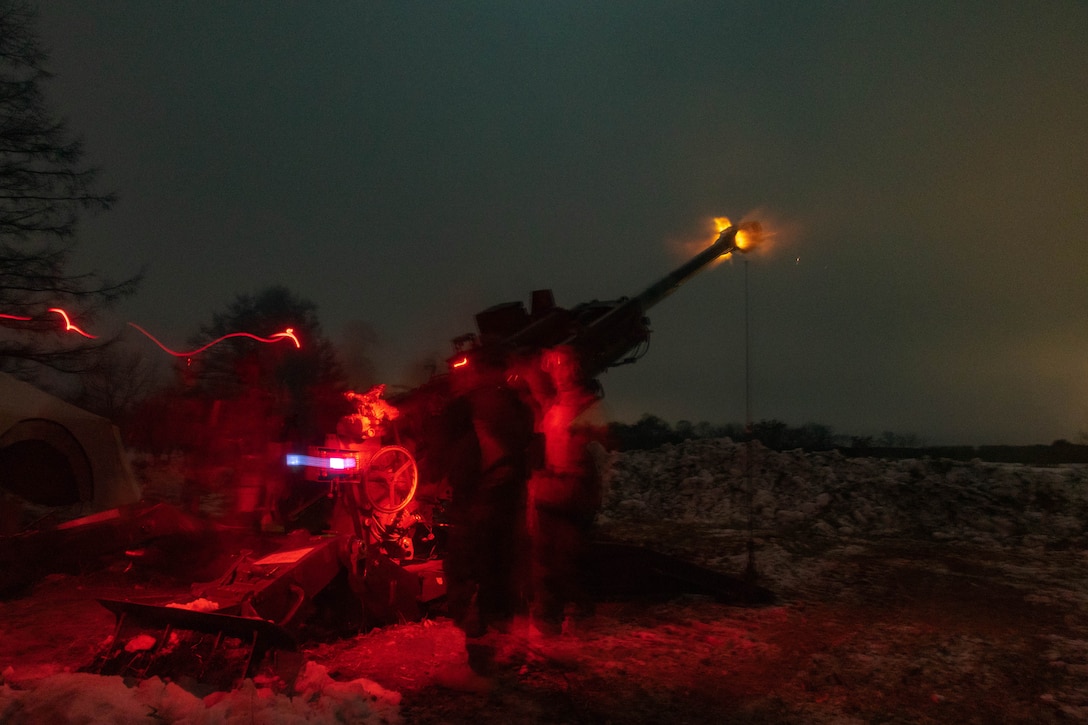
(87, 699)
(713, 482)
(717, 487)
(811, 517)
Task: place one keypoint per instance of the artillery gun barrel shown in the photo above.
(725, 243)
(605, 340)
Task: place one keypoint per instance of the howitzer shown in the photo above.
(602, 334)
(385, 472)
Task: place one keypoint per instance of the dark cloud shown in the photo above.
(412, 163)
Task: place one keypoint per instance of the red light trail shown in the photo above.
(68, 326)
(287, 334)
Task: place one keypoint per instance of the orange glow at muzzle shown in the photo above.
(748, 237)
(744, 240)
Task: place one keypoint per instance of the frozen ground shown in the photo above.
(907, 591)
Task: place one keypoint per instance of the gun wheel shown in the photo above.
(391, 479)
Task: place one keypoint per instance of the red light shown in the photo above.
(288, 334)
(68, 326)
(461, 363)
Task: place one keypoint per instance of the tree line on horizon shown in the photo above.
(651, 432)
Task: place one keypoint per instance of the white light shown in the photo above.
(337, 463)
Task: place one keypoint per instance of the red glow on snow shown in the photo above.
(68, 326)
(288, 334)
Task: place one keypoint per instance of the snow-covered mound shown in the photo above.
(722, 484)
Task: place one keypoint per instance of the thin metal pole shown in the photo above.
(747, 355)
(750, 571)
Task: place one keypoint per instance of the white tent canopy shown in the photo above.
(54, 453)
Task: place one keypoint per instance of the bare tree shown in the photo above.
(302, 387)
(122, 377)
(357, 341)
(44, 188)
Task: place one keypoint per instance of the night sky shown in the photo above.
(404, 165)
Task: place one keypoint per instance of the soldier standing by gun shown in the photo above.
(565, 493)
(491, 429)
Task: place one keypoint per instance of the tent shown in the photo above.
(53, 453)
